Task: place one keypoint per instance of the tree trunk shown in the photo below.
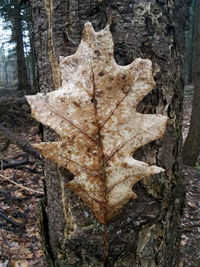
(22, 74)
(191, 149)
(190, 45)
(147, 232)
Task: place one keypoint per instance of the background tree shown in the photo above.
(191, 148)
(17, 18)
(8, 75)
(190, 44)
(3, 68)
(147, 232)
(18, 38)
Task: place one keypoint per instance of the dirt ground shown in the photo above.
(21, 189)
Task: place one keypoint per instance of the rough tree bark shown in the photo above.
(147, 232)
(191, 148)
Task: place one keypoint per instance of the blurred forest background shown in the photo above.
(21, 176)
(17, 62)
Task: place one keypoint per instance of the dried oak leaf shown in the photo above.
(95, 115)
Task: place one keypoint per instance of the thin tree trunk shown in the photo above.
(33, 63)
(147, 232)
(5, 66)
(32, 58)
(189, 57)
(22, 74)
(191, 149)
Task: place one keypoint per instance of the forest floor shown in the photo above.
(19, 238)
(21, 189)
(190, 239)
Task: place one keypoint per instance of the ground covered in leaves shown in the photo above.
(21, 188)
(190, 241)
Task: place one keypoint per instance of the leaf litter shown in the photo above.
(19, 237)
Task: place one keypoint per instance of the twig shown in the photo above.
(10, 220)
(21, 186)
(32, 170)
(25, 156)
(6, 164)
(21, 143)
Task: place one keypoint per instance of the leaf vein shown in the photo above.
(72, 123)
